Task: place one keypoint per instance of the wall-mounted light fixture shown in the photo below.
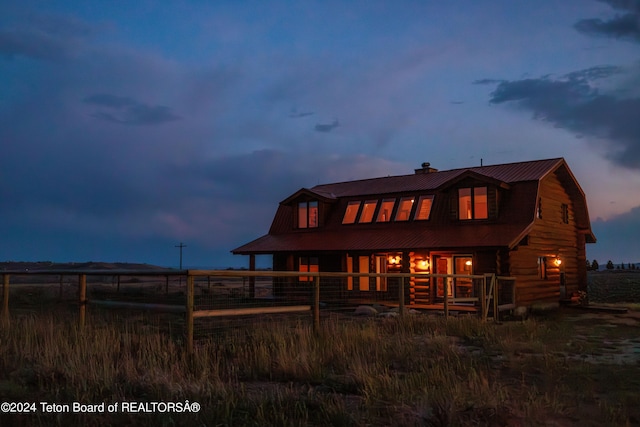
(394, 260)
(423, 264)
(557, 262)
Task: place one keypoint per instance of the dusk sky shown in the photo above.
(127, 127)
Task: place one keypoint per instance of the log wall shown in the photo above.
(550, 238)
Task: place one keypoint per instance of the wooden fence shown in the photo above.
(488, 299)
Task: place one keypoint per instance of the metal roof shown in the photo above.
(508, 173)
(515, 216)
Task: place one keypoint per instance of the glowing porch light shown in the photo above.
(557, 262)
(393, 259)
(423, 264)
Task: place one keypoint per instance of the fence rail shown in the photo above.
(231, 293)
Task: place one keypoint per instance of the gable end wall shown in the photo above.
(550, 237)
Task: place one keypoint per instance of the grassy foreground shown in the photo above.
(422, 370)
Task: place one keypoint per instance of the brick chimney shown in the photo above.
(426, 168)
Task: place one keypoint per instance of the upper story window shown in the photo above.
(404, 209)
(368, 210)
(351, 212)
(472, 203)
(539, 209)
(384, 215)
(308, 214)
(565, 213)
(424, 207)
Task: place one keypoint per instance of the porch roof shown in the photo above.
(389, 239)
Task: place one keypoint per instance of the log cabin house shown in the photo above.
(528, 220)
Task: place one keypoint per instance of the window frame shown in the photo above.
(564, 207)
(307, 208)
(357, 204)
(367, 215)
(410, 200)
(384, 202)
(421, 200)
(474, 203)
(542, 268)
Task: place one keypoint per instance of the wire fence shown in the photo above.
(201, 302)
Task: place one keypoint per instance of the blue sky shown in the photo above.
(128, 127)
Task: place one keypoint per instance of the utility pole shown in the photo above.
(181, 245)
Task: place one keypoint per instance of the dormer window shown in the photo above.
(368, 210)
(424, 207)
(308, 214)
(351, 213)
(386, 208)
(472, 203)
(404, 209)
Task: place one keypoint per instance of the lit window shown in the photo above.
(351, 213)
(308, 214)
(542, 267)
(464, 203)
(424, 207)
(308, 265)
(472, 203)
(368, 210)
(404, 209)
(384, 215)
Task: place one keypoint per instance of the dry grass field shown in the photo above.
(566, 367)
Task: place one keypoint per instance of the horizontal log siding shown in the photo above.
(549, 237)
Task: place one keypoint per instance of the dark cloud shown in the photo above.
(574, 102)
(577, 102)
(487, 81)
(623, 26)
(626, 25)
(128, 111)
(327, 127)
(296, 115)
(45, 37)
(31, 44)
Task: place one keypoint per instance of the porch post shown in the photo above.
(446, 297)
(5, 300)
(401, 296)
(483, 298)
(252, 279)
(189, 314)
(82, 299)
(316, 304)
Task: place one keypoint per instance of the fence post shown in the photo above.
(5, 300)
(496, 314)
(401, 296)
(446, 297)
(483, 297)
(316, 304)
(82, 299)
(189, 314)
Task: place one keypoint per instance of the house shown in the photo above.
(528, 220)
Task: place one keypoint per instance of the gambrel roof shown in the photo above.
(518, 181)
